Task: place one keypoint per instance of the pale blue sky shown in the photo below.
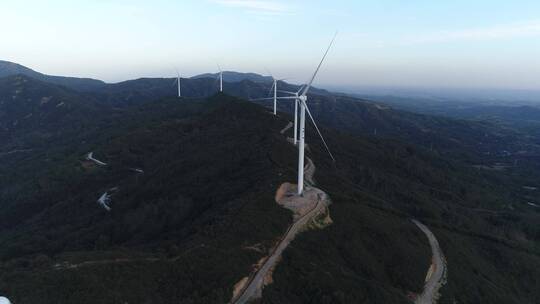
(415, 43)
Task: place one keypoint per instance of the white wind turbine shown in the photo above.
(178, 84)
(274, 88)
(220, 79)
(294, 96)
(302, 99)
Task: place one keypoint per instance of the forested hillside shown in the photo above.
(190, 184)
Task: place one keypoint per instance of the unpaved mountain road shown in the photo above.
(90, 157)
(288, 199)
(15, 151)
(255, 283)
(436, 276)
(287, 127)
(63, 265)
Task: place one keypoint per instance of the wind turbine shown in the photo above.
(302, 99)
(220, 79)
(294, 96)
(275, 89)
(178, 83)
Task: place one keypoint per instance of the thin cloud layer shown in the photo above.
(257, 6)
(507, 31)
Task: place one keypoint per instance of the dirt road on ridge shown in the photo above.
(255, 283)
(436, 276)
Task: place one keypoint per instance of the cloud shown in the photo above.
(259, 7)
(497, 32)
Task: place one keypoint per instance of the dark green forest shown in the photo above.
(184, 229)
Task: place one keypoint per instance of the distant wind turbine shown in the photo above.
(178, 83)
(274, 88)
(220, 79)
(294, 96)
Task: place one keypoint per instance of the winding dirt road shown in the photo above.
(15, 151)
(254, 285)
(436, 276)
(287, 127)
(90, 157)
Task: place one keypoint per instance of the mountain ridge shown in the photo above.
(232, 76)
(8, 68)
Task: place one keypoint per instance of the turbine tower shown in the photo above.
(275, 95)
(302, 99)
(178, 83)
(220, 79)
(296, 119)
(275, 90)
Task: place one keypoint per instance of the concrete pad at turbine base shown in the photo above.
(287, 197)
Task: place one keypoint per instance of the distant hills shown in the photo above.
(236, 77)
(339, 111)
(87, 84)
(246, 85)
(34, 113)
(83, 84)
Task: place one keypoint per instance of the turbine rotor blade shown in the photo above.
(318, 131)
(272, 88)
(287, 92)
(286, 97)
(269, 73)
(272, 98)
(300, 89)
(177, 76)
(263, 98)
(306, 89)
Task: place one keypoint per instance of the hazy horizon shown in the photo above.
(481, 45)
